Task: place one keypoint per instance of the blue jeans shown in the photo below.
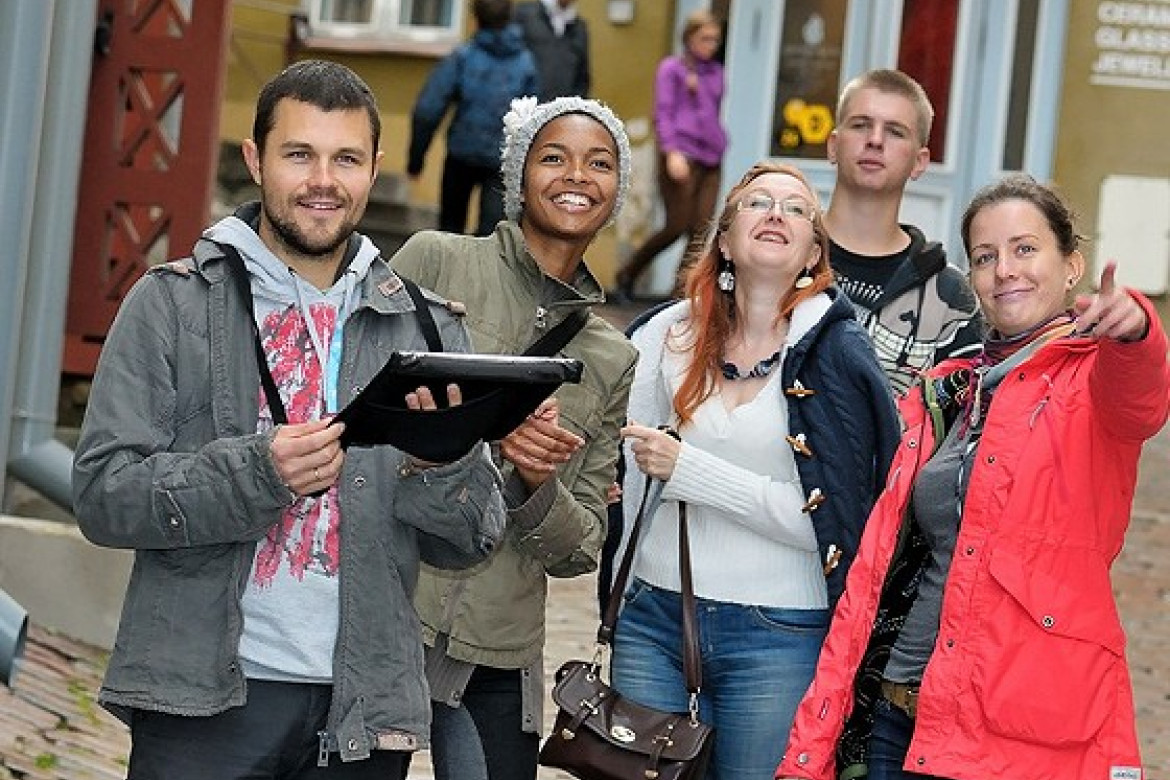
(888, 743)
(456, 752)
(757, 664)
(485, 736)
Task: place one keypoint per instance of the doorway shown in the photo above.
(992, 69)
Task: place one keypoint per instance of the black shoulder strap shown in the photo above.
(555, 340)
(239, 276)
(423, 311)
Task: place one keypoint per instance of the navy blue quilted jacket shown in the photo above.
(851, 426)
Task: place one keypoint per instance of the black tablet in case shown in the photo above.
(499, 391)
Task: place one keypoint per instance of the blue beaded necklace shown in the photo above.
(761, 369)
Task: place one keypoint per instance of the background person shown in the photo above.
(559, 40)
(787, 424)
(688, 92)
(916, 306)
(566, 167)
(1017, 468)
(480, 78)
(267, 630)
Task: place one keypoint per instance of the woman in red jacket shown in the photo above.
(978, 635)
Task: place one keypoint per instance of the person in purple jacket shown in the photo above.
(688, 91)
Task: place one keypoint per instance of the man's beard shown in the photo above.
(291, 236)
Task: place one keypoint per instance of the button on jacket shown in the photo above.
(169, 464)
(1028, 678)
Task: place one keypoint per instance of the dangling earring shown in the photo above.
(726, 277)
(804, 280)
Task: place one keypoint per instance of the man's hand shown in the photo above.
(539, 445)
(308, 456)
(423, 400)
(614, 494)
(1112, 313)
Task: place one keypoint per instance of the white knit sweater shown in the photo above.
(751, 542)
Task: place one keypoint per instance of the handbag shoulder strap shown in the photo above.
(562, 333)
(692, 660)
(692, 657)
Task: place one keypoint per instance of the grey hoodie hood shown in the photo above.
(275, 282)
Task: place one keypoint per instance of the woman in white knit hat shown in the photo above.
(566, 171)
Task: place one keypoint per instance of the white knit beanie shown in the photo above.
(524, 121)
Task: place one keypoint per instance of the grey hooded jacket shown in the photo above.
(169, 464)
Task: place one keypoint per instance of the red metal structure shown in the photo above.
(148, 166)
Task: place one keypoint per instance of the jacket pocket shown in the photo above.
(1054, 647)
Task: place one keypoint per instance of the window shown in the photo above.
(1016, 134)
(420, 26)
(808, 76)
(927, 52)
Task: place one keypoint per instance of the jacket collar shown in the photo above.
(381, 289)
(585, 290)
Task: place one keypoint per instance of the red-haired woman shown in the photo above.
(786, 426)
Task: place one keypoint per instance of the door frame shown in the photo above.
(984, 54)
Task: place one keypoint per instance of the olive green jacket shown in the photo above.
(494, 612)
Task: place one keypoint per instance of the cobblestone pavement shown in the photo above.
(50, 728)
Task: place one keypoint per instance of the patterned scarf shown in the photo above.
(997, 348)
(967, 391)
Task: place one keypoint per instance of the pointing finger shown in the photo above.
(1108, 283)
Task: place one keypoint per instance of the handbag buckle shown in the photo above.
(623, 734)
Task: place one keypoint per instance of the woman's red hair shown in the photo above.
(713, 311)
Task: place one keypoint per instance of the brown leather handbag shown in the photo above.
(598, 734)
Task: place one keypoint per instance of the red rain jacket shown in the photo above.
(1028, 678)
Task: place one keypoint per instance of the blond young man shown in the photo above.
(917, 307)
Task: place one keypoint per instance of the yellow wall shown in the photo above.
(1107, 129)
(624, 58)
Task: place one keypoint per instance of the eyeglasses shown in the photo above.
(763, 203)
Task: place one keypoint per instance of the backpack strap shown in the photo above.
(945, 398)
(934, 409)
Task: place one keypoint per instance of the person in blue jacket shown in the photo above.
(480, 78)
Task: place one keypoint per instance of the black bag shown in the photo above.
(598, 734)
(499, 391)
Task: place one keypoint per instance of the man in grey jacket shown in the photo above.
(267, 630)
